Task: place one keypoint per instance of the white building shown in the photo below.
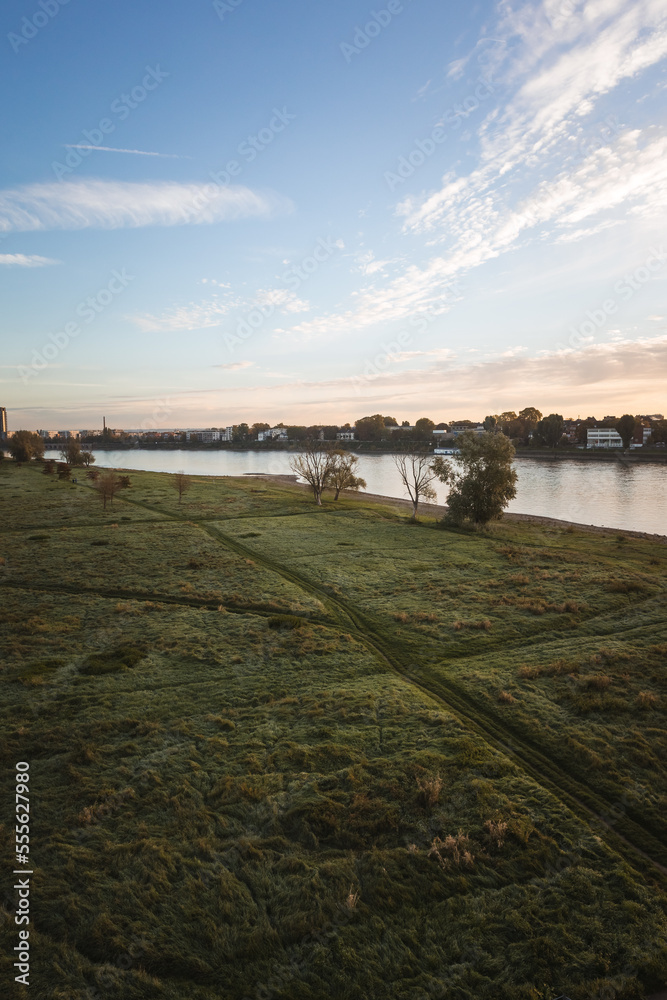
(345, 436)
(457, 429)
(603, 437)
(273, 434)
(206, 437)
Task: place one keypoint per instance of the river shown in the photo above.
(631, 496)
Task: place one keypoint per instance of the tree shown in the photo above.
(490, 422)
(108, 485)
(25, 445)
(414, 468)
(93, 474)
(370, 428)
(181, 483)
(87, 458)
(530, 413)
(314, 464)
(240, 434)
(48, 469)
(71, 452)
(625, 426)
(343, 473)
(486, 482)
(526, 423)
(549, 430)
(424, 428)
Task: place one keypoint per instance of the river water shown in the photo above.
(613, 494)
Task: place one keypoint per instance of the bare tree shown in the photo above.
(108, 485)
(314, 464)
(343, 473)
(414, 468)
(181, 483)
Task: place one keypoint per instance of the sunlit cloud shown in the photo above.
(101, 204)
(26, 260)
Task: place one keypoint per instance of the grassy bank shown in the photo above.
(279, 751)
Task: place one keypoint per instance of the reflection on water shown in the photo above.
(614, 494)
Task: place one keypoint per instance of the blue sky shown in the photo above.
(312, 211)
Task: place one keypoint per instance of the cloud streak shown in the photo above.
(135, 152)
(26, 260)
(102, 204)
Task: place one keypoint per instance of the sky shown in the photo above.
(247, 210)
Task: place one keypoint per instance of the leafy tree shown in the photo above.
(49, 468)
(343, 473)
(486, 482)
(414, 468)
(258, 427)
(625, 426)
(25, 445)
(424, 428)
(490, 423)
(659, 433)
(314, 464)
(64, 470)
(530, 413)
(370, 428)
(71, 452)
(87, 458)
(549, 430)
(240, 434)
(390, 422)
(93, 474)
(526, 423)
(181, 483)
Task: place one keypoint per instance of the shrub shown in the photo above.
(506, 697)
(599, 682)
(497, 830)
(285, 621)
(114, 661)
(646, 699)
(430, 789)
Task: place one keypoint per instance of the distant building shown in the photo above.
(603, 437)
(206, 437)
(463, 428)
(3, 423)
(273, 434)
(345, 436)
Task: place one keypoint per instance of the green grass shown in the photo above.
(278, 751)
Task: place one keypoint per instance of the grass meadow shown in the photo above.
(286, 753)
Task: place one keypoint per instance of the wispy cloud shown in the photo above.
(102, 204)
(551, 168)
(26, 260)
(135, 152)
(212, 312)
(235, 366)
